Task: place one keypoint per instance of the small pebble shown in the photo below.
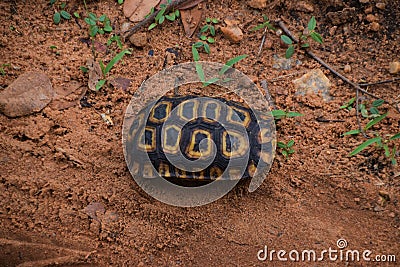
(357, 199)
(381, 6)
(394, 67)
(364, 1)
(392, 215)
(139, 39)
(232, 31)
(371, 18)
(125, 26)
(258, 4)
(375, 26)
(347, 68)
(368, 10)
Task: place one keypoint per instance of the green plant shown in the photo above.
(115, 39)
(54, 48)
(2, 68)
(97, 25)
(382, 143)
(161, 16)
(266, 24)
(208, 29)
(373, 110)
(286, 149)
(308, 33)
(120, 2)
(279, 114)
(105, 69)
(227, 66)
(62, 14)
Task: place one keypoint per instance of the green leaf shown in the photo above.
(212, 30)
(317, 37)
(278, 114)
(357, 131)
(286, 39)
(90, 21)
(177, 13)
(52, 2)
(378, 103)
(374, 111)
(281, 144)
(365, 145)
(348, 103)
(57, 18)
(291, 151)
(214, 20)
(204, 28)
(312, 24)
(306, 45)
(203, 37)
(102, 67)
(76, 14)
(92, 16)
(108, 28)
(117, 58)
(170, 17)
(207, 48)
(394, 137)
(62, 6)
(161, 19)
(290, 143)
(200, 72)
(387, 150)
(364, 112)
(375, 121)
(292, 114)
(120, 2)
(102, 18)
(289, 52)
(208, 20)
(83, 69)
(101, 30)
(210, 81)
(285, 153)
(65, 14)
(198, 44)
(152, 26)
(210, 40)
(100, 84)
(53, 47)
(231, 62)
(160, 14)
(195, 53)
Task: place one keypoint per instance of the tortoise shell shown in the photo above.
(209, 127)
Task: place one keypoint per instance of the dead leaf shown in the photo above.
(68, 95)
(136, 10)
(121, 82)
(94, 209)
(191, 19)
(95, 73)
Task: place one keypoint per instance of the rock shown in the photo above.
(371, 18)
(368, 10)
(394, 67)
(29, 93)
(304, 7)
(380, 6)
(258, 4)
(364, 1)
(125, 26)
(374, 26)
(284, 63)
(341, 17)
(385, 195)
(232, 31)
(347, 68)
(139, 39)
(313, 82)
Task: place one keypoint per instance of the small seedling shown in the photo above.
(304, 37)
(120, 2)
(106, 69)
(225, 68)
(286, 148)
(97, 25)
(266, 24)
(62, 14)
(208, 29)
(2, 68)
(382, 144)
(367, 126)
(161, 16)
(373, 110)
(115, 39)
(281, 114)
(54, 48)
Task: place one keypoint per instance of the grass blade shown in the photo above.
(230, 63)
(365, 145)
(375, 121)
(200, 72)
(352, 132)
(394, 137)
(117, 58)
